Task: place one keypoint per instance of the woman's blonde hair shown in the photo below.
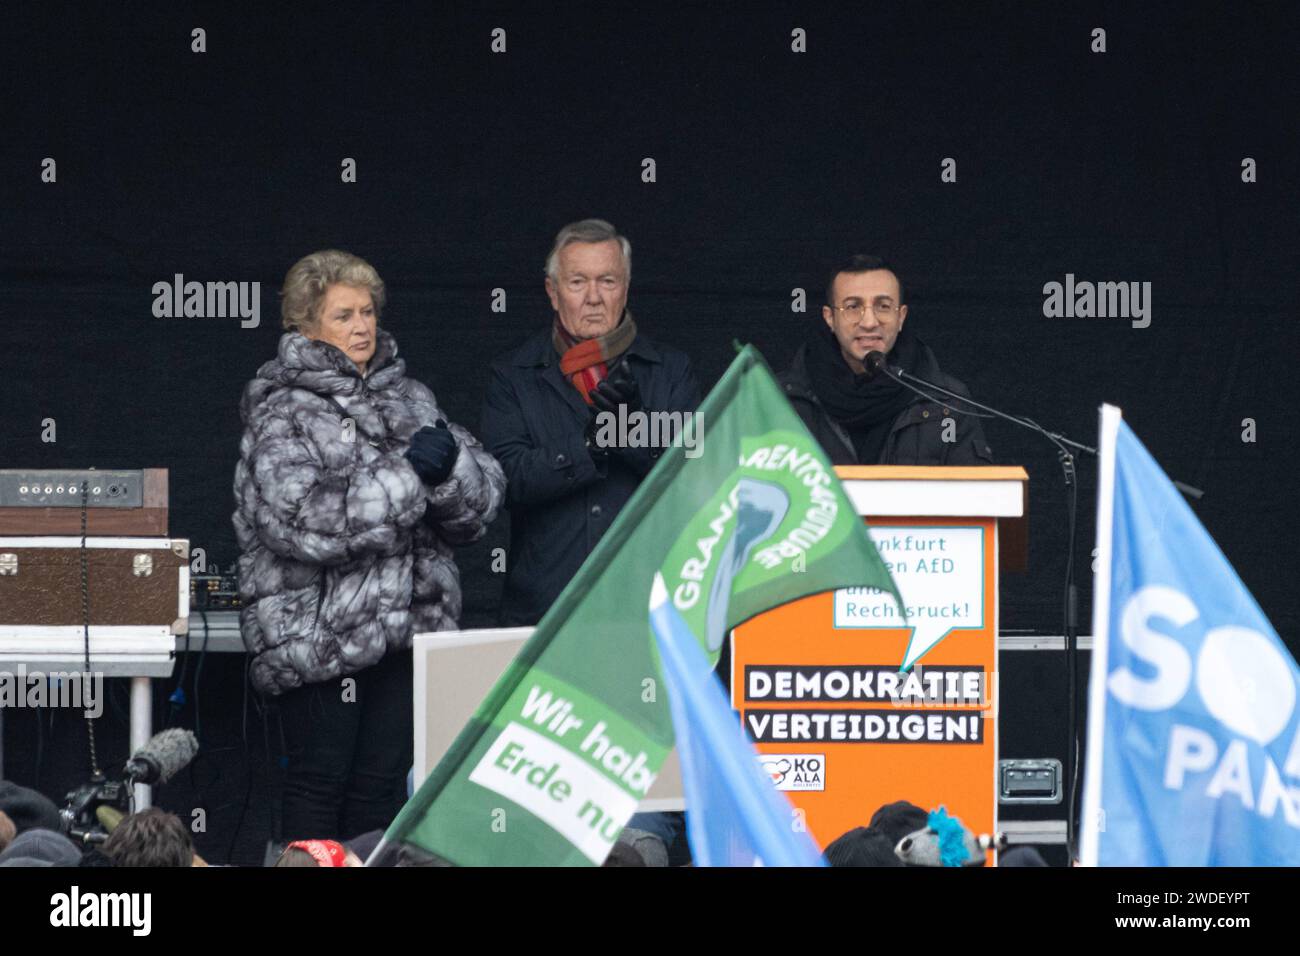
(305, 285)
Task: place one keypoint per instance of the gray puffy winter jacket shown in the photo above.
(341, 563)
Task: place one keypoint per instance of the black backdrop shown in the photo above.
(771, 165)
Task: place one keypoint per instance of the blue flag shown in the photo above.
(1193, 737)
(735, 817)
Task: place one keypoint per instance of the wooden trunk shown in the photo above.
(130, 582)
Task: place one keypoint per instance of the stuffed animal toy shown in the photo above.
(944, 841)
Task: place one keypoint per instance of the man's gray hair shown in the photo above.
(587, 230)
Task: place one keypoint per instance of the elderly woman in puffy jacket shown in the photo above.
(351, 492)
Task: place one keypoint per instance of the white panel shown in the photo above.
(183, 597)
(69, 639)
(436, 640)
(922, 498)
(110, 665)
(74, 541)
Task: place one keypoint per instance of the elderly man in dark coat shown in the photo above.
(567, 484)
(352, 492)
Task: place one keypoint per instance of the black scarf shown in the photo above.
(866, 407)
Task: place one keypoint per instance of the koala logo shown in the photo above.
(795, 771)
(777, 768)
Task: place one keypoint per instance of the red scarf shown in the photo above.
(585, 363)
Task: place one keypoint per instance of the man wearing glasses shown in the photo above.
(861, 419)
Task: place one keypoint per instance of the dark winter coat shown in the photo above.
(560, 503)
(916, 435)
(346, 553)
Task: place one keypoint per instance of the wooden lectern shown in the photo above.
(850, 707)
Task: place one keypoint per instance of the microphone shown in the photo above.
(162, 757)
(874, 363)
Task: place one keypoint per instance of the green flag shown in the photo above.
(568, 741)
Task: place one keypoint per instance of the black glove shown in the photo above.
(618, 388)
(433, 453)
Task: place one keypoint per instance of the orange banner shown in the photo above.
(843, 728)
